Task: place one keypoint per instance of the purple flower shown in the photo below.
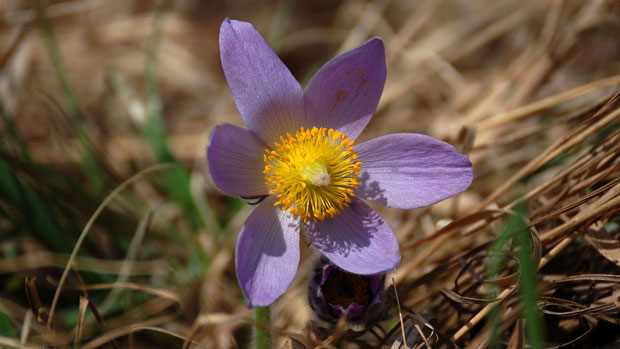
(299, 152)
(334, 293)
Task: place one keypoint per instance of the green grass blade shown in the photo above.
(32, 211)
(13, 135)
(496, 263)
(528, 287)
(6, 328)
(176, 180)
(515, 230)
(90, 162)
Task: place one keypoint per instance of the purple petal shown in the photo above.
(345, 92)
(267, 253)
(267, 95)
(357, 240)
(409, 170)
(236, 161)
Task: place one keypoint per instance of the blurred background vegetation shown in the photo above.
(113, 235)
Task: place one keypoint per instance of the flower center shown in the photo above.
(313, 174)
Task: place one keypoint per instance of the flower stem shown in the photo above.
(262, 315)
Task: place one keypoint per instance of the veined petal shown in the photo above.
(357, 240)
(345, 92)
(267, 95)
(408, 170)
(267, 253)
(236, 161)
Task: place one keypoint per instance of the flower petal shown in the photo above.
(410, 170)
(267, 253)
(267, 95)
(345, 92)
(236, 161)
(357, 240)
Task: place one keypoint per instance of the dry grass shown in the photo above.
(528, 89)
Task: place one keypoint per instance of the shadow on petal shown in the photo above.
(357, 240)
(371, 190)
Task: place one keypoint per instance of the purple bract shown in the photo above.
(299, 152)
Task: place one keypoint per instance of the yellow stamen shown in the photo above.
(314, 174)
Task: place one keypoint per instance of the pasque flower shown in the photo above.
(299, 153)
